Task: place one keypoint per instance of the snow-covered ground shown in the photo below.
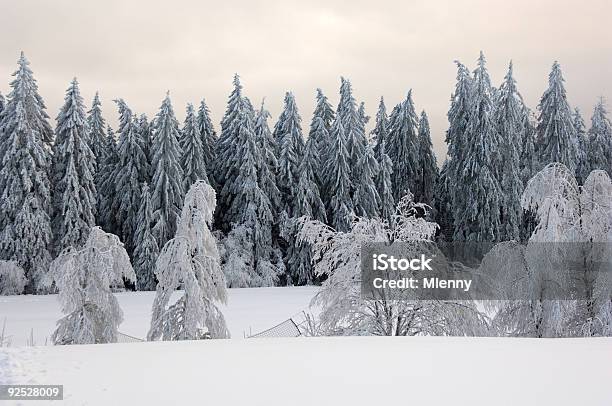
(247, 311)
(298, 371)
(324, 371)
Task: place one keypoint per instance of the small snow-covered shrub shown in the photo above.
(12, 278)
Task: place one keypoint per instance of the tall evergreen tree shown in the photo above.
(207, 134)
(508, 120)
(307, 204)
(291, 149)
(266, 167)
(320, 125)
(529, 159)
(366, 200)
(556, 140)
(192, 160)
(25, 231)
(145, 134)
(354, 130)
(477, 218)
(582, 159)
(146, 250)
(2, 103)
(97, 143)
(167, 196)
(381, 127)
(427, 168)
(384, 185)
(402, 148)
(251, 208)
(443, 203)
(457, 119)
(73, 169)
(106, 188)
(600, 139)
(341, 209)
(131, 171)
(226, 167)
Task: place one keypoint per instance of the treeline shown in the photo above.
(55, 185)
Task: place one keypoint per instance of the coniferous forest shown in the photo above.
(286, 189)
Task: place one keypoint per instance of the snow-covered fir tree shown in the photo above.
(322, 119)
(443, 203)
(380, 132)
(457, 119)
(25, 230)
(167, 194)
(190, 261)
(146, 249)
(145, 134)
(106, 185)
(556, 136)
(291, 150)
(340, 210)
(193, 157)
(402, 147)
(73, 170)
(383, 182)
(226, 166)
(354, 131)
(600, 139)
(477, 216)
(427, 170)
(251, 209)
(508, 121)
(267, 165)
(307, 204)
(366, 200)
(131, 170)
(83, 276)
(207, 134)
(96, 134)
(529, 158)
(583, 166)
(2, 102)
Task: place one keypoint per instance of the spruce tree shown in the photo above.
(251, 208)
(354, 130)
(207, 134)
(600, 139)
(582, 161)
(145, 134)
(529, 159)
(458, 118)
(25, 231)
(131, 171)
(402, 148)
(307, 204)
(167, 195)
(477, 218)
(366, 200)
(381, 127)
(291, 149)
(443, 203)
(427, 167)
(320, 125)
(556, 140)
(106, 189)
(146, 249)
(226, 167)
(267, 165)
(383, 181)
(73, 169)
(508, 118)
(341, 211)
(2, 102)
(192, 160)
(97, 143)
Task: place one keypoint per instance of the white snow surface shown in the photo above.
(248, 311)
(324, 371)
(298, 371)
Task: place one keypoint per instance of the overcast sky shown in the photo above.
(138, 49)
